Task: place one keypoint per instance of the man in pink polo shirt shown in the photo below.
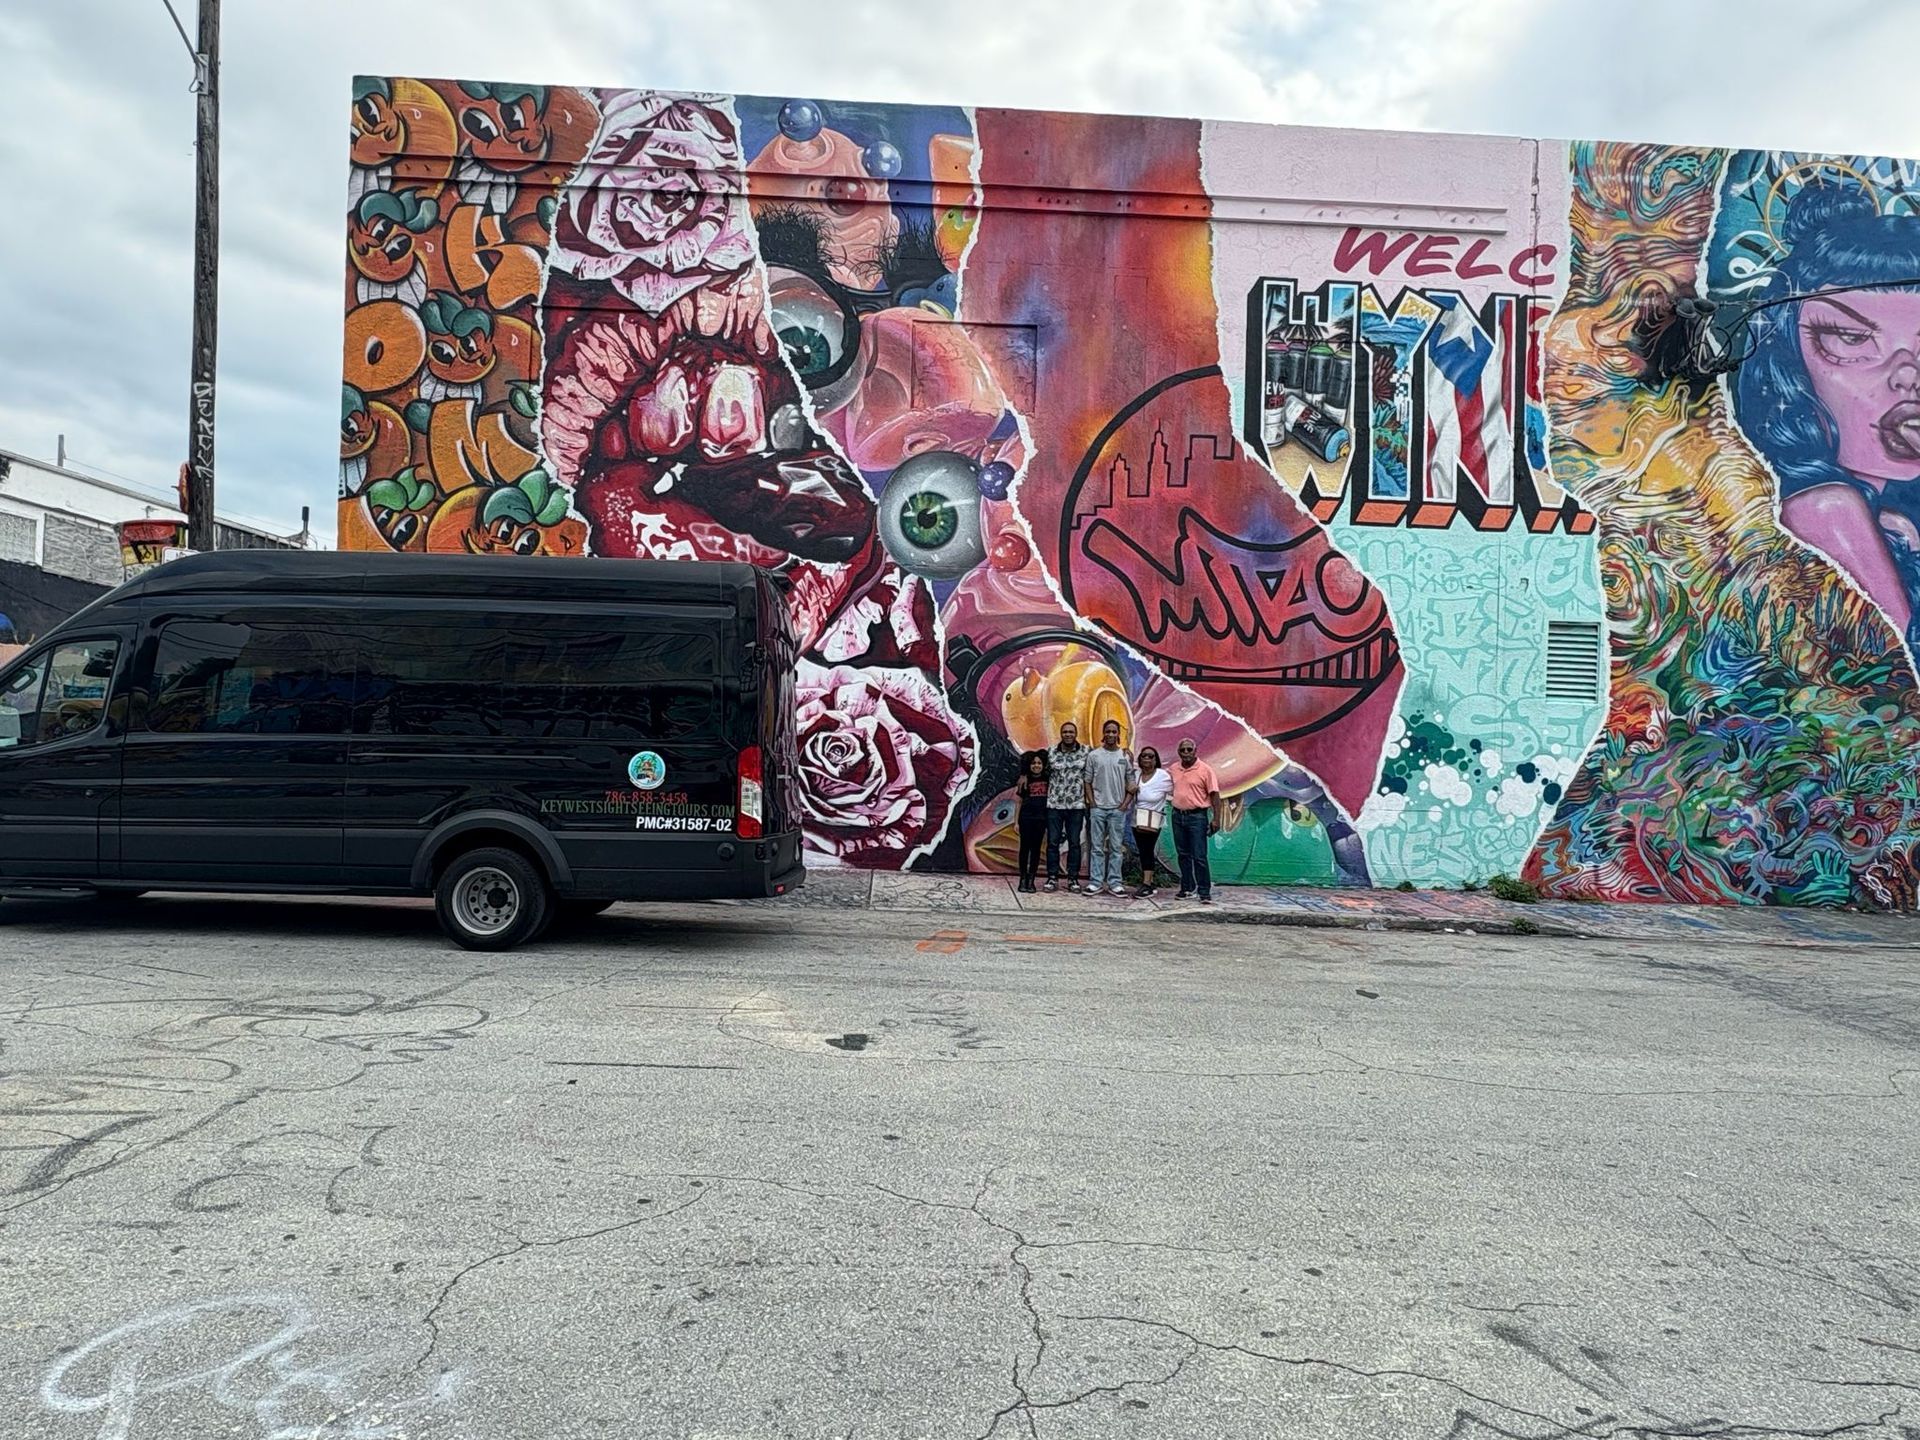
(1196, 792)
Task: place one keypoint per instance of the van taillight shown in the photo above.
(748, 816)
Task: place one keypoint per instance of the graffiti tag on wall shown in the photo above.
(1434, 401)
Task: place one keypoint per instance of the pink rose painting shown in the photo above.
(657, 209)
(882, 759)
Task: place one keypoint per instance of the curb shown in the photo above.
(1541, 929)
(1409, 924)
(1765, 926)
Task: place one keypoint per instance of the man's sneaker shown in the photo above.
(1119, 890)
(1074, 888)
(1052, 885)
(1184, 895)
(1206, 899)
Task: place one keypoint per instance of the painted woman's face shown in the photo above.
(1862, 350)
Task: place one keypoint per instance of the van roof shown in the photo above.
(503, 577)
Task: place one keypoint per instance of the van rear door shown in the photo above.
(781, 656)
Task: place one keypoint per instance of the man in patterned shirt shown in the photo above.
(1066, 806)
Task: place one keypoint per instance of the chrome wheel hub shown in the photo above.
(487, 901)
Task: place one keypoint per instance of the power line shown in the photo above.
(193, 53)
(1700, 338)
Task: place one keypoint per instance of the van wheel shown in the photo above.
(491, 900)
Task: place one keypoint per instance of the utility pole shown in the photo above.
(206, 281)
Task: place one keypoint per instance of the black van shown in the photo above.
(519, 738)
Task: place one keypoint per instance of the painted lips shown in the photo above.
(1900, 430)
(695, 417)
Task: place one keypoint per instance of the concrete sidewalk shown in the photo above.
(1448, 911)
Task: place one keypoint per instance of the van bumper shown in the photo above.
(647, 869)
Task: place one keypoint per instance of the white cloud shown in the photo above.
(96, 283)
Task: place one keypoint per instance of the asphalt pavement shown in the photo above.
(301, 1170)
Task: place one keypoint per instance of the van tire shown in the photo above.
(492, 899)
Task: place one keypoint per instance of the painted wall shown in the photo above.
(1296, 441)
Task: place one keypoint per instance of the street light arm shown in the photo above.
(193, 53)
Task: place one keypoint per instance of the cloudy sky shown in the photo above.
(96, 254)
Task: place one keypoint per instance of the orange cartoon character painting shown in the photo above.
(528, 517)
(385, 244)
(394, 512)
(403, 135)
(507, 134)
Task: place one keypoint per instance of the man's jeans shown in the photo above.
(1190, 844)
(1064, 825)
(1106, 847)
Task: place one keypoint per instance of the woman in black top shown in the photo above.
(1035, 772)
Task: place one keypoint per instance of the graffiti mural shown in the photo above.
(1207, 429)
(1390, 376)
(1762, 720)
(452, 198)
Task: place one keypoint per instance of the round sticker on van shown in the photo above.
(647, 770)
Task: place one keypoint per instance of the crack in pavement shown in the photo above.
(1891, 1295)
(1894, 1090)
(1720, 1430)
(1713, 1428)
(591, 984)
(1027, 1405)
(1709, 1429)
(1310, 1361)
(1024, 1404)
(1887, 1344)
(432, 1318)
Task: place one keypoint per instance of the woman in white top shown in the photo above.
(1150, 812)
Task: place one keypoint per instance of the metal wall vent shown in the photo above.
(1574, 660)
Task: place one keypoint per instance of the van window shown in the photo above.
(59, 693)
(280, 677)
(538, 675)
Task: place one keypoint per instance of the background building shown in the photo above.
(60, 543)
(1384, 465)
